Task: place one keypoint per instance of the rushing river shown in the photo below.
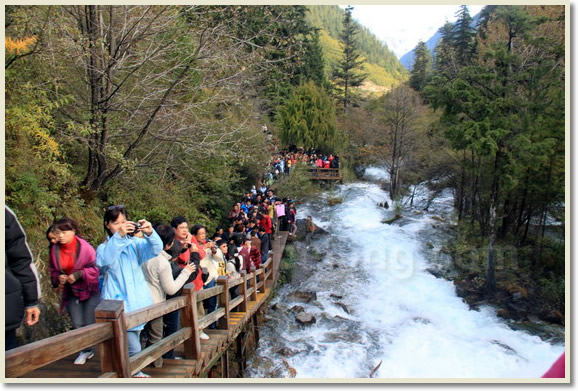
(376, 302)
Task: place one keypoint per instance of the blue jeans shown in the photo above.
(171, 322)
(134, 345)
(82, 312)
(210, 304)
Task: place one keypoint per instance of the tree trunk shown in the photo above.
(490, 288)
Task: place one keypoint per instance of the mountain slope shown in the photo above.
(383, 67)
(408, 58)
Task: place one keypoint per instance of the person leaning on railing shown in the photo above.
(120, 258)
(159, 277)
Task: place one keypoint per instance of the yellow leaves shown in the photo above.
(20, 45)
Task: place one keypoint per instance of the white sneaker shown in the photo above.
(203, 335)
(82, 357)
(141, 374)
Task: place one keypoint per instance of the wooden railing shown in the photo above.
(112, 323)
(325, 173)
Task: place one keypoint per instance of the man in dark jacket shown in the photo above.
(21, 280)
(265, 244)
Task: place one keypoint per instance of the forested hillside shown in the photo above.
(382, 65)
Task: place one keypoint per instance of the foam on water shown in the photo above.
(398, 313)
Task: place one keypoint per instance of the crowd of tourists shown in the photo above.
(144, 264)
(281, 164)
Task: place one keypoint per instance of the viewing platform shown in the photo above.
(326, 174)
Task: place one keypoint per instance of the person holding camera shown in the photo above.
(120, 258)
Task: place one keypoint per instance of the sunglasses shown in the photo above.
(114, 207)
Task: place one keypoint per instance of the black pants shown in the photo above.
(11, 341)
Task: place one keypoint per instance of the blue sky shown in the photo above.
(402, 26)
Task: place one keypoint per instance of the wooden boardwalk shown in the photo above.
(326, 174)
(54, 356)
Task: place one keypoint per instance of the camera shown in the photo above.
(137, 226)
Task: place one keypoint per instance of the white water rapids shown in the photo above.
(377, 303)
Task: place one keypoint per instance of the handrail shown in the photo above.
(26, 358)
(154, 311)
(151, 353)
(112, 322)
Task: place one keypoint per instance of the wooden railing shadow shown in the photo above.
(109, 331)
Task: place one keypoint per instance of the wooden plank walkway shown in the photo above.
(211, 349)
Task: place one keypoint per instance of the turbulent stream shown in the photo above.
(375, 301)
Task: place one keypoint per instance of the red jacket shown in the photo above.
(202, 253)
(250, 259)
(266, 223)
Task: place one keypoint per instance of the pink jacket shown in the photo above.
(85, 264)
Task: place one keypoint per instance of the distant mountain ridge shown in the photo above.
(382, 65)
(407, 59)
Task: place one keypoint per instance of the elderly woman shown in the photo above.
(120, 258)
(159, 276)
(74, 272)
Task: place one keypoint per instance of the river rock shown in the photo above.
(302, 228)
(503, 313)
(335, 201)
(437, 273)
(287, 352)
(304, 297)
(334, 296)
(391, 220)
(553, 317)
(342, 336)
(297, 308)
(343, 307)
(517, 296)
(305, 318)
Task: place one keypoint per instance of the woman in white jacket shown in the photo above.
(159, 277)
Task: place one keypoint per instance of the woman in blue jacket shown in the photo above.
(120, 258)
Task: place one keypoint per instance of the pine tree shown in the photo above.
(314, 63)
(348, 74)
(463, 36)
(420, 72)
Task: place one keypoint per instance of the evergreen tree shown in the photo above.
(348, 74)
(463, 36)
(503, 113)
(444, 52)
(314, 65)
(420, 72)
(307, 119)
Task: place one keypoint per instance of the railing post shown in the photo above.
(264, 274)
(114, 352)
(190, 319)
(254, 284)
(223, 322)
(243, 305)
